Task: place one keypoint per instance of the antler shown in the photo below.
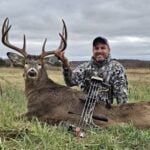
(5, 29)
(63, 43)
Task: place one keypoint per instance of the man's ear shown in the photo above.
(52, 60)
(15, 58)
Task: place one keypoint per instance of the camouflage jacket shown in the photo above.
(113, 74)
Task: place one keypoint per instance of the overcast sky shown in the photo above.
(125, 23)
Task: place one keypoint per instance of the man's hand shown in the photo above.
(60, 55)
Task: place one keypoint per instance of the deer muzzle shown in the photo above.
(32, 73)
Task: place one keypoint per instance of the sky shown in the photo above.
(126, 25)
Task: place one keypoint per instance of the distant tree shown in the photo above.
(2, 62)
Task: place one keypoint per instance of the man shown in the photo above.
(115, 83)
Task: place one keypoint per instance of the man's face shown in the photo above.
(100, 52)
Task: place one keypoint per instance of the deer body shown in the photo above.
(52, 103)
(44, 97)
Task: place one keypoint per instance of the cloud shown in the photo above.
(125, 23)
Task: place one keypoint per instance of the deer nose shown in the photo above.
(32, 72)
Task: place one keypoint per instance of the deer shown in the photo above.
(52, 103)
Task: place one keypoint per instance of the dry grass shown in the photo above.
(14, 76)
(139, 75)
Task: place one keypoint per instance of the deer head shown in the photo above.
(33, 64)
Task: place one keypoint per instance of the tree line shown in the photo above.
(127, 63)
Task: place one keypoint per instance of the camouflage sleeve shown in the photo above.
(120, 84)
(74, 77)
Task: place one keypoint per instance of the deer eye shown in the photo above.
(26, 64)
(39, 66)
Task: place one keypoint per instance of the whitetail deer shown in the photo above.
(51, 102)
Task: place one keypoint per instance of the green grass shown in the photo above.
(139, 92)
(16, 133)
(19, 134)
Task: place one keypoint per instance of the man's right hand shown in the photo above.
(61, 56)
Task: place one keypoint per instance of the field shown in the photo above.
(16, 133)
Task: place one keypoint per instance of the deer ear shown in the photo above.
(15, 58)
(52, 60)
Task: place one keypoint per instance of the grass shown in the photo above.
(16, 133)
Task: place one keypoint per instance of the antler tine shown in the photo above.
(43, 48)
(44, 53)
(63, 36)
(63, 43)
(24, 43)
(7, 27)
(5, 30)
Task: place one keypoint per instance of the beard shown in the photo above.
(100, 57)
